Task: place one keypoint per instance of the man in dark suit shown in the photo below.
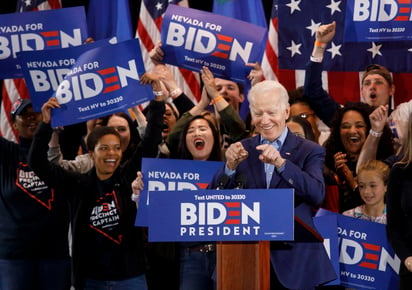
(275, 158)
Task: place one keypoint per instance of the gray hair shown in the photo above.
(269, 86)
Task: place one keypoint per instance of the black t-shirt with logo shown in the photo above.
(33, 219)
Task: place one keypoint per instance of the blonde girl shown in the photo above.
(372, 182)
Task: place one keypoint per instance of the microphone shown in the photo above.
(223, 181)
(240, 181)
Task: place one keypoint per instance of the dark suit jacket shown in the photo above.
(303, 263)
(399, 214)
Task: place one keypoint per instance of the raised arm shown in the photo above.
(378, 119)
(52, 174)
(318, 99)
(154, 117)
(229, 118)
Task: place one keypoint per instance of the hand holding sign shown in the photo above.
(137, 187)
(167, 78)
(47, 107)
(151, 79)
(157, 54)
(256, 74)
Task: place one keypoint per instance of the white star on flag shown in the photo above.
(375, 49)
(334, 50)
(294, 48)
(294, 5)
(334, 6)
(159, 6)
(313, 27)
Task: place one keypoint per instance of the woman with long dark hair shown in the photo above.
(349, 129)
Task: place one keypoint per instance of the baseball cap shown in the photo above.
(19, 106)
(373, 69)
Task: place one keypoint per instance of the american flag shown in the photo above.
(148, 31)
(291, 37)
(13, 89)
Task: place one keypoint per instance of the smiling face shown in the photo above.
(376, 90)
(107, 155)
(26, 122)
(122, 127)
(269, 114)
(199, 139)
(353, 132)
(371, 187)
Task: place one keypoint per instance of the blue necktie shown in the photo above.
(269, 168)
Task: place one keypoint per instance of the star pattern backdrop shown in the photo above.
(298, 22)
(295, 24)
(292, 25)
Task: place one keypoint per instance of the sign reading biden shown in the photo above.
(222, 215)
(366, 259)
(38, 30)
(43, 72)
(192, 39)
(172, 175)
(102, 81)
(378, 20)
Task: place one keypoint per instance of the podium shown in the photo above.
(243, 265)
(242, 221)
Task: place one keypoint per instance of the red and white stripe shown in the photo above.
(14, 89)
(148, 32)
(342, 86)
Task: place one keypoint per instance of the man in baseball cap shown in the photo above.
(25, 120)
(19, 106)
(377, 85)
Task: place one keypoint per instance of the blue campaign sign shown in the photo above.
(377, 21)
(38, 30)
(172, 175)
(102, 81)
(43, 72)
(328, 228)
(192, 39)
(222, 215)
(366, 259)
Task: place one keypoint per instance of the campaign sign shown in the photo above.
(222, 215)
(378, 21)
(192, 39)
(328, 228)
(170, 175)
(38, 30)
(366, 259)
(102, 81)
(43, 72)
